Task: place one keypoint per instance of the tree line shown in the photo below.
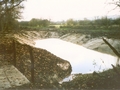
(34, 23)
(97, 23)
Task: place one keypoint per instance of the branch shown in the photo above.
(1, 2)
(117, 4)
(113, 49)
(11, 8)
(112, 9)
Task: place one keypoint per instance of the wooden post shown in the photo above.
(114, 68)
(32, 64)
(113, 49)
(14, 53)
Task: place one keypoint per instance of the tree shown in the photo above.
(24, 23)
(34, 22)
(70, 22)
(10, 11)
(117, 21)
(116, 2)
(39, 22)
(45, 23)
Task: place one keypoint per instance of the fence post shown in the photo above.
(14, 53)
(32, 64)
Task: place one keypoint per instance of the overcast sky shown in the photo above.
(58, 10)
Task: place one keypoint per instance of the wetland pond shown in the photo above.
(82, 60)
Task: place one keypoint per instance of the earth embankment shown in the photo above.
(86, 40)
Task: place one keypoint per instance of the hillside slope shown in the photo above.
(48, 68)
(86, 40)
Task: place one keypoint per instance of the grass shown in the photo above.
(95, 33)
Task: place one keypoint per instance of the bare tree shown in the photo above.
(116, 2)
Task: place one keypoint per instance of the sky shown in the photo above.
(59, 10)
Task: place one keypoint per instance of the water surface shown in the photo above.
(81, 59)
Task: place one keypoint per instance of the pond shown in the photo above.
(82, 60)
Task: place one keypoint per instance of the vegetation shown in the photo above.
(34, 24)
(99, 23)
(96, 28)
(10, 11)
(103, 23)
(105, 80)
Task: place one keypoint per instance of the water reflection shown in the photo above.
(82, 60)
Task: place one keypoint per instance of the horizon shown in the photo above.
(61, 10)
(88, 18)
